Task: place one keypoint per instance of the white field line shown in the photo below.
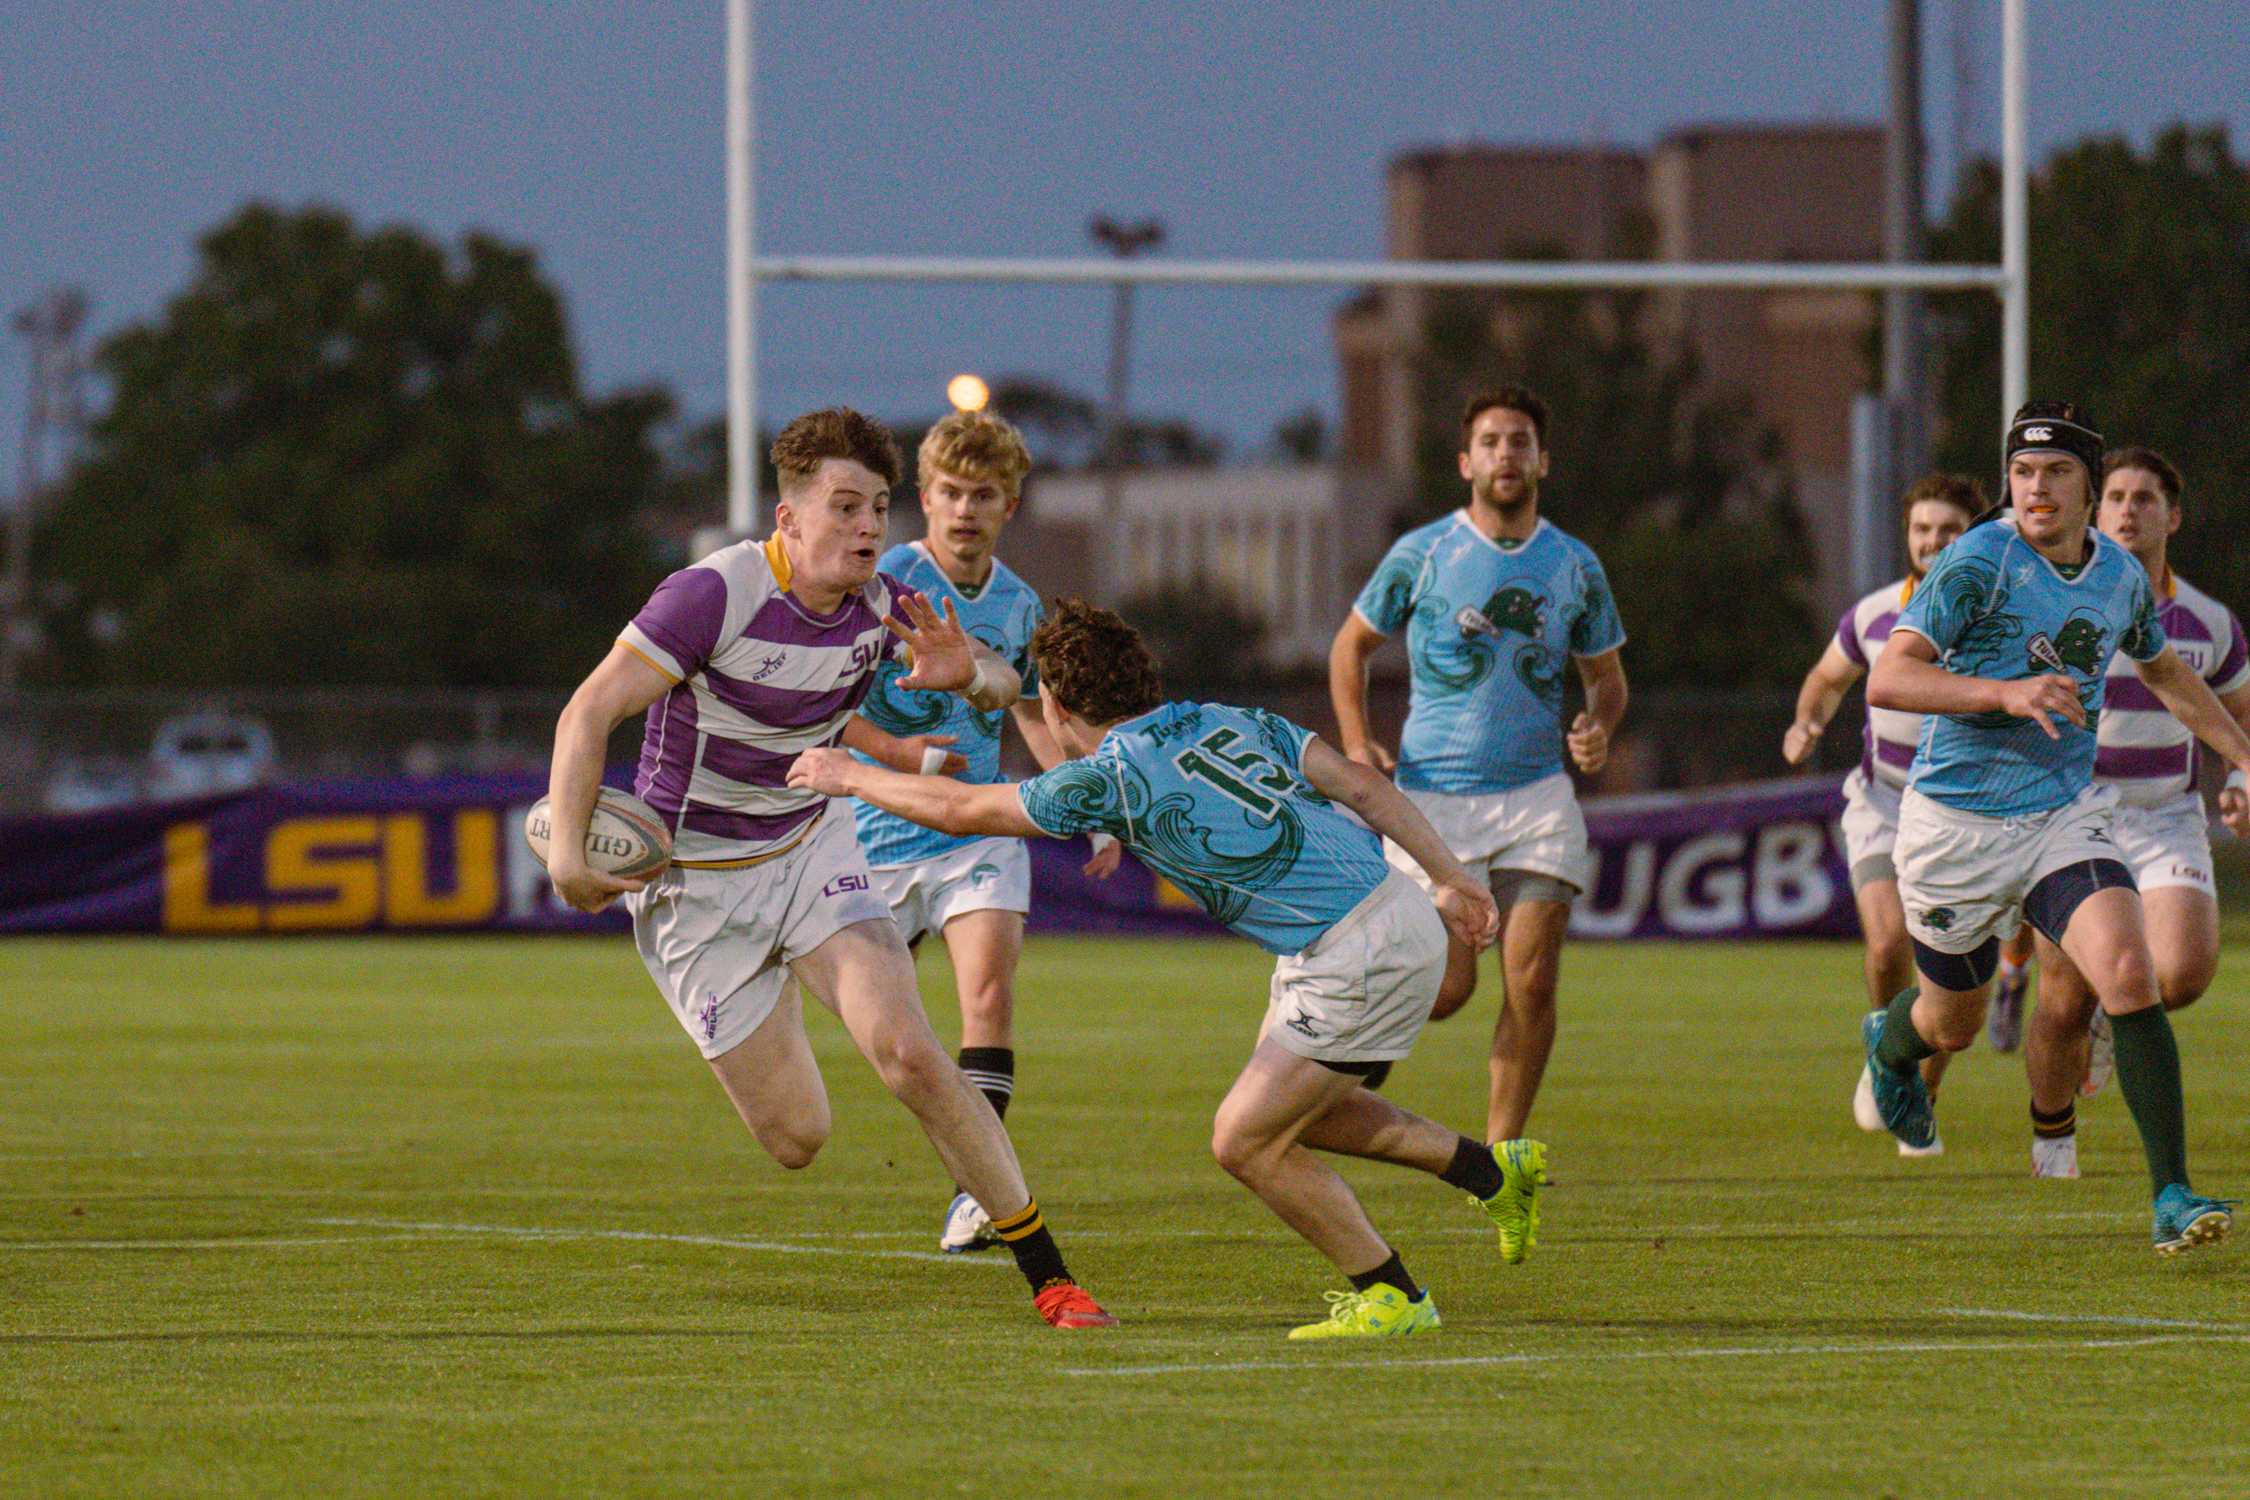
(719, 1241)
(1324, 1367)
(2105, 1320)
(234, 1244)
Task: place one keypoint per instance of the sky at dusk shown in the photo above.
(593, 133)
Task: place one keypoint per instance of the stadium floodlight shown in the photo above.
(2010, 280)
(967, 392)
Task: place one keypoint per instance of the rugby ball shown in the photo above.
(624, 837)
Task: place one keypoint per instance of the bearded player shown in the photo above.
(2162, 834)
(973, 892)
(1498, 605)
(1938, 508)
(2007, 646)
(753, 655)
(1246, 813)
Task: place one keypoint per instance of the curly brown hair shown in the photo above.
(1095, 664)
(835, 432)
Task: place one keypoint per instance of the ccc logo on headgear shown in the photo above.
(2038, 434)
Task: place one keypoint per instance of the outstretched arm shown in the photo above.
(937, 802)
(1907, 677)
(948, 659)
(2191, 701)
(913, 754)
(1468, 908)
(1824, 687)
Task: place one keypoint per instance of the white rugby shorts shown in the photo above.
(1362, 992)
(2167, 845)
(718, 942)
(1536, 828)
(1870, 824)
(1962, 876)
(988, 875)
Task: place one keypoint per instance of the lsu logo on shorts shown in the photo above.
(844, 885)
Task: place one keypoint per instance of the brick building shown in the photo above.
(1712, 193)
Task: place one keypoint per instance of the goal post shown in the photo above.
(2009, 281)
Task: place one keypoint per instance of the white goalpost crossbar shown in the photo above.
(2009, 280)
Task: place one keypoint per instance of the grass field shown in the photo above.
(377, 1217)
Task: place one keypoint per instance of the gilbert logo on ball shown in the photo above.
(625, 837)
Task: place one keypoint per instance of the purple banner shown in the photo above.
(1765, 860)
(448, 856)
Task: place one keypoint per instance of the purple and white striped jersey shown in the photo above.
(2139, 748)
(1887, 748)
(760, 678)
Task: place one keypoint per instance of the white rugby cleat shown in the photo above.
(967, 1227)
(1864, 1112)
(2056, 1157)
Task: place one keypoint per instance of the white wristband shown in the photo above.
(2236, 781)
(977, 682)
(933, 761)
(1101, 841)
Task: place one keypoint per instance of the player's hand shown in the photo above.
(1470, 913)
(1800, 742)
(914, 755)
(1371, 753)
(943, 658)
(1108, 855)
(583, 888)
(827, 772)
(1588, 742)
(2039, 698)
(2234, 810)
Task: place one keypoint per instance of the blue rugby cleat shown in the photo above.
(2185, 1220)
(1899, 1097)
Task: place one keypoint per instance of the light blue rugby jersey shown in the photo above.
(1002, 615)
(1994, 607)
(1214, 799)
(1490, 631)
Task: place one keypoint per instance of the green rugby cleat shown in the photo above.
(1381, 1311)
(1514, 1210)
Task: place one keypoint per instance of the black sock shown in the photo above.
(1374, 1076)
(993, 1071)
(2054, 1127)
(1392, 1272)
(2148, 1075)
(1902, 1046)
(1474, 1170)
(1025, 1234)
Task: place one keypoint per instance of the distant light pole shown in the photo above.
(1124, 241)
(54, 406)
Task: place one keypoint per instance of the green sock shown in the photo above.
(1902, 1046)
(2148, 1075)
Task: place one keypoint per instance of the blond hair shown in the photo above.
(975, 445)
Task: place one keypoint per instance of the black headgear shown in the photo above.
(2054, 427)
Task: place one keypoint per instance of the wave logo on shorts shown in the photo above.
(984, 874)
(1938, 919)
(707, 1015)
